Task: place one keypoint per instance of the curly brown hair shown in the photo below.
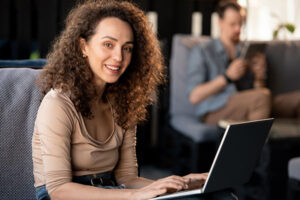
(67, 70)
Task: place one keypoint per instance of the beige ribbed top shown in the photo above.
(62, 147)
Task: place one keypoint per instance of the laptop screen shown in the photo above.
(238, 154)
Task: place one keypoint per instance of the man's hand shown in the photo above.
(236, 69)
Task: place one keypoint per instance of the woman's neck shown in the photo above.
(100, 87)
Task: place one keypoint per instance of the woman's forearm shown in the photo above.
(75, 191)
(138, 182)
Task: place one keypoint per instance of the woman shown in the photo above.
(97, 84)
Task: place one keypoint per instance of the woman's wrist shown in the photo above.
(131, 194)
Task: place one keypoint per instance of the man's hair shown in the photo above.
(227, 4)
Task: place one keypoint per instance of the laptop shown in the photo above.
(236, 157)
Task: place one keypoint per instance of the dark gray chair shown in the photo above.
(19, 102)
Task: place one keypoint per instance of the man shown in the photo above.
(216, 74)
(225, 87)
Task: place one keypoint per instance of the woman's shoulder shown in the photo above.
(56, 95)
(56, 113)
(56, 98)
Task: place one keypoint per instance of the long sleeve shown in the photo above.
(127, 167)
(206, 62)
(54, 127)
(196, 71)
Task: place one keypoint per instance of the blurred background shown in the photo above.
(29, 26)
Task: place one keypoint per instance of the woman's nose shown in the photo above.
(117, 54)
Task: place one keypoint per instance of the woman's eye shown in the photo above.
(128, 49)
(107, 44)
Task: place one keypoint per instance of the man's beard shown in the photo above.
(235, 40)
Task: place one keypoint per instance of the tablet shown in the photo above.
(249, 49)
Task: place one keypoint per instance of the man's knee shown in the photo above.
(261, 104)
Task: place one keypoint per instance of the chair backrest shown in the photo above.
(181, 47)
(182, 115)
(283, 66)
(34, 64)
(19, 102)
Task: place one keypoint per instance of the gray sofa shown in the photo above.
(19, 101)
(283, 58)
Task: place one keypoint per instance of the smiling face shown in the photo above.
(109, 50)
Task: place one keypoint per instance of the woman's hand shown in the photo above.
(195, 181)
(161, 186)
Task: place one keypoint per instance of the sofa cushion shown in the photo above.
(19, 102)
(195, 130)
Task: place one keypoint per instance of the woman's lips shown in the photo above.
(113, 68)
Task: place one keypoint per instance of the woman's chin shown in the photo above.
(112, 80)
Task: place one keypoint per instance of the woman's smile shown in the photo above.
(113, 68)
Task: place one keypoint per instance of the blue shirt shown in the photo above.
(207, 61)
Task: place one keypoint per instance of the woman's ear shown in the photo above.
(82, 45)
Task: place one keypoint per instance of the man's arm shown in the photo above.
(205, 90)
(234, 72)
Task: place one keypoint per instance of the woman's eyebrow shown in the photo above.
(112, 38)
(109, 37)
